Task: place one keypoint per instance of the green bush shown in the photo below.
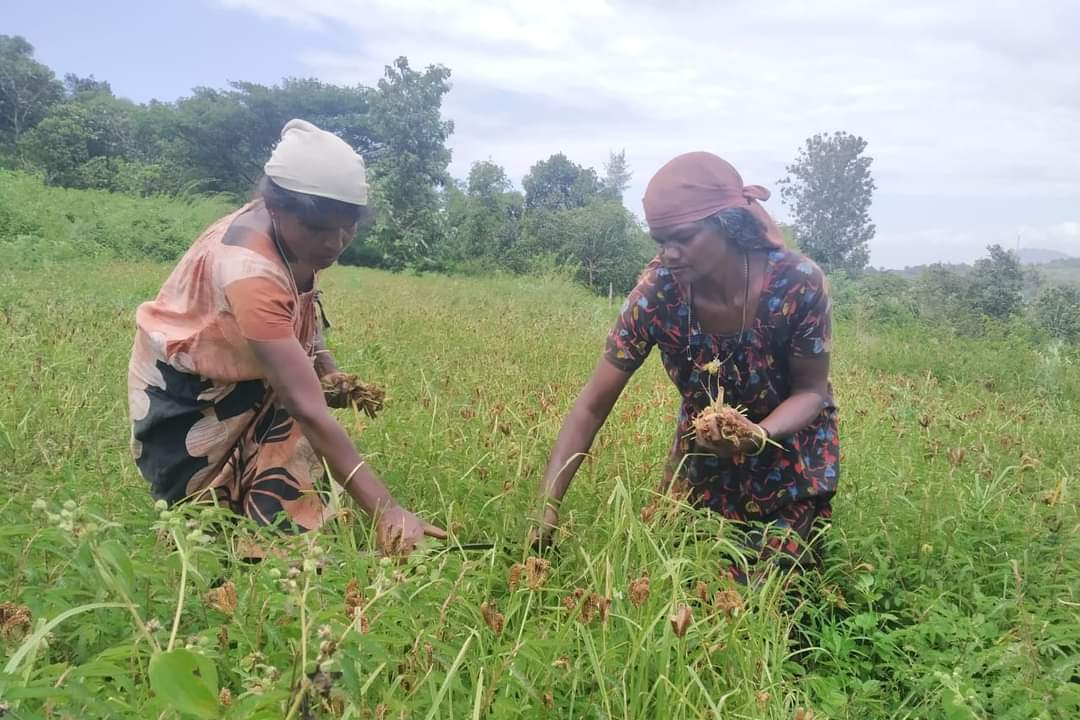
(1057, 311)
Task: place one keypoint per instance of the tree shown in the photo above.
(558, 184)
(82, 143)
(487, 180)
(829, 190)
(996, 284)
(28, 89)
(483, 214)
(75, 86)
(603, 240)
(410, 161)
(227, 135)
(1057, 310)
(617, 175)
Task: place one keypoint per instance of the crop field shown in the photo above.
(951, 587)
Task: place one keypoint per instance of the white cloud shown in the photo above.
(968, 106)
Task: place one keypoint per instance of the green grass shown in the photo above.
(952, 588)
(40, 224)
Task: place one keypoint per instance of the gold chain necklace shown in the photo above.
(716, 364)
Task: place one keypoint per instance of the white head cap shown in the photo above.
(316, 162)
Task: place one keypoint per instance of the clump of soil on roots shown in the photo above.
(720, 421)
(347, 390)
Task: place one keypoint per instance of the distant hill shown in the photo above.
(1061, 272)
(1053, 264)
(1057, 269)
(1041, 256)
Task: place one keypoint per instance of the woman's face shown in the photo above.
(319, 242)
(690, 251)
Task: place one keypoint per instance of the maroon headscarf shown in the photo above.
(698, 185)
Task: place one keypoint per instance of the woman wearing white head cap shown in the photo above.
(224, 380)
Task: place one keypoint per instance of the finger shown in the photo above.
(434, 531)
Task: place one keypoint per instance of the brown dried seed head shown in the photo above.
(648, 511)
(639, 591)
(595, 606)
(588, 609)
(569, 603)
(514, 578)
(762, 698)
(549, 700)
(223, 598)
(223, 637)
(956, 456)
(925, 420)
(729, 602)
(804, 714)
(225, 697)
(604, 605)
(562, 662)
(354, 599)
(15, 620)
(680, 620)
(492, 617)
(702, 591)
(536, 572)
(380, 711)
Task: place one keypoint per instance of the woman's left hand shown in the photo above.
(337, 388)
(727, 448)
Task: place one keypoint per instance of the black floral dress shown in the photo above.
(789, 487)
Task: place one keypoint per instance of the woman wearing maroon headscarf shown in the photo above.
(731, 311)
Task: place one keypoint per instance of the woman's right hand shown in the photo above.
(398, 531)
(543, 530)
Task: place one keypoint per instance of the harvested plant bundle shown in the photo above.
(719, 422)
(345, 390)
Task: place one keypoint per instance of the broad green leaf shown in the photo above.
(186, 682)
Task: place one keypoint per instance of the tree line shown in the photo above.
(75, 132)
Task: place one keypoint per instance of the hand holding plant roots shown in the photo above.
(720, 423)
(345, 389)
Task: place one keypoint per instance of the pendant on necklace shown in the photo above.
(713, 366)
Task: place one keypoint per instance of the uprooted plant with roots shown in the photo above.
(722, 422)
(343, 390)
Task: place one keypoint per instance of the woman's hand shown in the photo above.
(398, 531)
(344, 390)
(543, 530)
(722, 447)
(337, 388)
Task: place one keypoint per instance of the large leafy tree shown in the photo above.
(996, 284)
(28, 89)
(559, 184)
(829, 190)
(83, 142)
(409, 161)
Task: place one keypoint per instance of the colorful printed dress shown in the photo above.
(204, 419)
(790, 487)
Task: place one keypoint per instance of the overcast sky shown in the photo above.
(971, 109)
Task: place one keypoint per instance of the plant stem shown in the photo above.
(183, 588)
